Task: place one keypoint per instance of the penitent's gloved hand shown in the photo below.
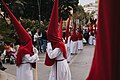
(49, 47)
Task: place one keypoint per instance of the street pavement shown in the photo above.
(80, 66)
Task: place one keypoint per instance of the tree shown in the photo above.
(5, 31)
(29, 8)
(81, 15)
(65, 6)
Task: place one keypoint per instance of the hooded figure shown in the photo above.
(79, 33)
(74, 36)
(67, 31)
(67, 41)
(56, 52)
(25, 57)
(53, 36)
(74, 41)
(80, 38)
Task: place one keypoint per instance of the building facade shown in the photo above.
(92, 8)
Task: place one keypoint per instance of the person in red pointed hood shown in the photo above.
(25, 57)
(74, 36)
(80, 37)
(67, 31)
(74, 41)
(56, 52)
(79, 33)
(67, 41)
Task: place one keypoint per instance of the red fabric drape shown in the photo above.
(106, 61)
(52, 32)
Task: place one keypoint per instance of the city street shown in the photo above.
(80, 65)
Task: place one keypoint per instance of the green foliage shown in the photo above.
(2, 47)
(27, 12)
(81, 15)
(32, 24)
(5, 31)
(29, 9)
(65, 6)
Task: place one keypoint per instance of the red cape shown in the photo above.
(106, 61)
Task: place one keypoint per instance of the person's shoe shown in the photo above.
(3, 68)
(68, 61)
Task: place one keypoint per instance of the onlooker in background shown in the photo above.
(29, 32)
(86, 35)
(37, 40)
(1, 64)
(36, 35)
(40, 42)
(44, 39)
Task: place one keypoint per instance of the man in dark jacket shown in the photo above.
(1, 64)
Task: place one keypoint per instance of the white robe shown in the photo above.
(90, 41)
(25, 71)
(63, 70)
(80, 44)
(94, 41)
(74, 47)
(68, 50)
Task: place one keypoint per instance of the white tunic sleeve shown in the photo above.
(53, 53)
(68, 43)
(30, 59)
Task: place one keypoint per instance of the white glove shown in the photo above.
(49, 47)
(37, 57)
(35, 50)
